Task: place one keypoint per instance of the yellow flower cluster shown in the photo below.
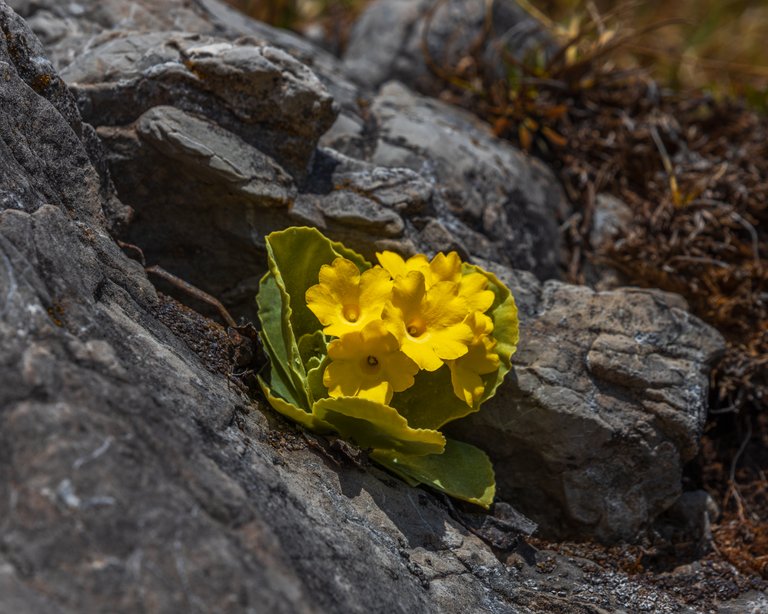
(402, 316)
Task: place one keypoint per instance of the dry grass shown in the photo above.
(718, 45)
(694, 170)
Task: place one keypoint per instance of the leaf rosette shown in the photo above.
(385, 355)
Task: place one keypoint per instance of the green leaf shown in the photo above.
(462, 471)
(292, 412)
(317, 389)
(313, 345)
(375, 425)
(430, 402)
(350, 254)
(276, 335)
(295, 257)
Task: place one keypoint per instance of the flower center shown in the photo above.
(416, 328)
(351, 313)
(370, 365)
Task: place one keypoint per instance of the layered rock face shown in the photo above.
(134, 475)
(606, 404)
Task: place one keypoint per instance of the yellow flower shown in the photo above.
(445, 267)
(429, 324)
(345, 301)
(473, 287)
(395, 265)
(442, 267)
(479, 360)
(368, 364)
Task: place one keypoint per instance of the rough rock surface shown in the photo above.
(69, 29)
(131, 477)
(390, 39)
(107, 60)
(182, 172)
(606, 404)
(494, 201)
(135, 476)
(186, 153)
(259, 90)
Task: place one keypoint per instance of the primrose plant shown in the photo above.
(384, 355)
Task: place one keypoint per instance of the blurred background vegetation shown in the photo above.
(713, 45)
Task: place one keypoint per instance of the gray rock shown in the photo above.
(688, 523)
(752, 602)
(134, 478)
(611, 219)
(181, 138)
(184, 173)
(134, 475)
(606, 403)
(437, 180)
(70, 29)
(499, 203)
(257, 90)
(118, 74)
(389, 40)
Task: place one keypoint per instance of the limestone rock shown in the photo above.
(606, 403)
(611, 219)
(70, 29)
(259, 91)
(186, 144)
(134, 478)
(433, 178)
(485, 185)
(497, 202)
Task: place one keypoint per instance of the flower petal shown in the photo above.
(467, 384)
(323, 304)
(381, 392)
(375, 290)
(445, 267)
(451, 342)
(395, 265)
(346, 300)
(341, 378)
(422, 353)
(473, 288)
(444, 305)
(400, 372)
(466, 371)
(339, 276)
